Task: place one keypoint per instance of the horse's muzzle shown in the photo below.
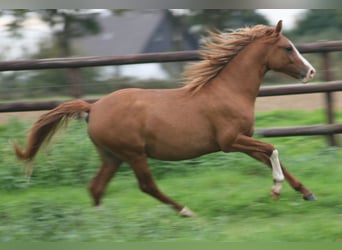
(309, 75)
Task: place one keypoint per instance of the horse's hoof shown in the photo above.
(275, 195)
(309, 197)
(186, 212)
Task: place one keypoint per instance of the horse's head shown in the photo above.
(284, 57)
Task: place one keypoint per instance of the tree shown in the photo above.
(65, 25)
(320, 23)
(57, 81)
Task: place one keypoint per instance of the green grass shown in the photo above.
(229, 192)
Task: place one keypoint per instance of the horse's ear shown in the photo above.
(279, 26)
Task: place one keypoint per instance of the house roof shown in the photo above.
(127, 33)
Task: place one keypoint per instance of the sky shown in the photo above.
(289, 16)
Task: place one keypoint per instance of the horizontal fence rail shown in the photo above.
(264, 91)
(94, 61)
(292, 89)
(162, 57)
(300, 130)
(33, 106)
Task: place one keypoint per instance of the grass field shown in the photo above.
(229, 192)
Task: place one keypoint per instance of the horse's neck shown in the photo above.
(244, 73)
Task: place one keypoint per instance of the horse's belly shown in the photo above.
(178, 155)
(180, 149)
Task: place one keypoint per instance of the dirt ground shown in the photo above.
(263, 104)
(297, 102)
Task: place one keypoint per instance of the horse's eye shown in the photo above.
(289, 49)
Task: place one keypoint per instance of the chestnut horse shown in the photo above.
(213, 112)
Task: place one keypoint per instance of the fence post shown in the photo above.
(329, 100)
(74, 81)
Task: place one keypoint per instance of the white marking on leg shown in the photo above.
(277, 172)
(277, 186)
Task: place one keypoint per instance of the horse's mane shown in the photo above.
(218, 50)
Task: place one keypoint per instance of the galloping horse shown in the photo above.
(214, 111)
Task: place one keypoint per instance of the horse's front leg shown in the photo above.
(268, 154)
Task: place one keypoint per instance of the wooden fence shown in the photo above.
(328, 87)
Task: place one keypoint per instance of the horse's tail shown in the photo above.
(46, 126)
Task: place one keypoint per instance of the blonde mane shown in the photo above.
(218, 50)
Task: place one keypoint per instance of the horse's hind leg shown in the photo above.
(297, 185)
(147, 185)
(98, 184)
(292, 180)
(266, 153)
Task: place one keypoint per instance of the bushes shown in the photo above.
(71, 159)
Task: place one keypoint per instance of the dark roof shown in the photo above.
(128, 33)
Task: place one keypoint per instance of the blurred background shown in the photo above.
(33, 34)
(230, 192)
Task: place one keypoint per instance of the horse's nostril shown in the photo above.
(309, 75)
(312, 72)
